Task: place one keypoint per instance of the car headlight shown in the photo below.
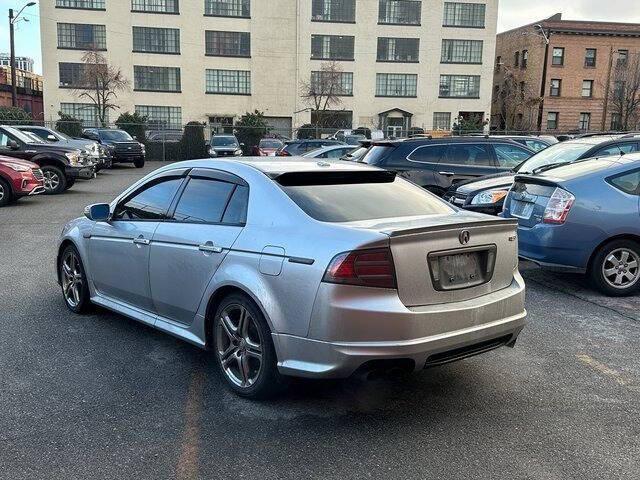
(238, 152)
(489, 197)
(17, 168)
(143, 148)
(212, 152)
(74, 158)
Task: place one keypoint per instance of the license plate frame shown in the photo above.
(462, 268)
(522, 209)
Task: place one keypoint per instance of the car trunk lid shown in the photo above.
(529, 198)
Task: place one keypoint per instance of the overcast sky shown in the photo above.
(513, 13)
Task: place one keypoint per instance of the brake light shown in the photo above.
(367, 268)
(558, 207)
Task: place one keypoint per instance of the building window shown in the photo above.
(587, 88)
(525, 58)
(396, 85)
(155, 6)
(555, 87)
(399, 12)
(459, 86)
(337, 83)
(230, 82)
(442, 121)
(616, 121)
(72, 75)
(498, 62)
(156, 79)
(228, 8)
(332, 47)
(469, 15)
(516, 59)
(81, 4)
(462, 51)
(159, 116)
(82, 36)
(333, 11)
(87, 113)
(156, 40)
(558, 56)
(623, 58)
(552, 120)
(398, 49)
(590, 57)
(227, 44)
(585, 121)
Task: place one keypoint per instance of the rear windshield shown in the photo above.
(224, 141)
(343, 201)
(270, 143)
(376, 154)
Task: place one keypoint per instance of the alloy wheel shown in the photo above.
(239, 345)
(621, 268)
(2, 192)
(72, 280)
(51, 180)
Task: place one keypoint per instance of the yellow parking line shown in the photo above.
(187, 467)
(602, 368)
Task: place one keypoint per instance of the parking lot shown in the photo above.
(101, 396)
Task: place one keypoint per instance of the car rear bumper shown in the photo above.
(420, 337)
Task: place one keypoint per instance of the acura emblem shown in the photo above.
(464, 237)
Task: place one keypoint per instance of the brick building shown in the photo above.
(29, 89)
(564, 83)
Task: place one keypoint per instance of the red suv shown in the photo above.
(18, 178)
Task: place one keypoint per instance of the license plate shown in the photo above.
(522, 210)
(452, 270)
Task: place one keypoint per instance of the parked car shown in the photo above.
(299, 147)
(225, 145)
(19, 178)
(583, 217)
(438, 163)
(60, 165)
(487, 194)
(267, 147)
(332, 151)
(355, 155)
(122, 147)
(401, 279)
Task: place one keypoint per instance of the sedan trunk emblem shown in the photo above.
(464, 237)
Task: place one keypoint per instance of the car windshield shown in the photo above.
(115, 135)
(224, 142)
(270, 143)
(25, 137)
(554, 155)
(376, 154)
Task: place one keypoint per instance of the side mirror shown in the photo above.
(98, 212)
(13, 145)
(52, 138)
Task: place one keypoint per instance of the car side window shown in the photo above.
(203, 201)
(236, 211)
(337, 153)
(4, 140)
(535, 145)
(471, 154)
(617, 150)
(427, 154)
(151, 203)
(40, 133)
(628, 183)
(510, 156)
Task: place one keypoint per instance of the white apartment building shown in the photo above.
(404, 63)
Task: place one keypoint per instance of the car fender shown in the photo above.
(76, 232)
(7, 179)
(50, 159)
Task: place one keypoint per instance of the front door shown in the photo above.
(464, 161)
(119, 249)
(189, 247)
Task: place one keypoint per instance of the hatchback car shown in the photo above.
(300, 147)
(487, 194)
(437, 164)
(19, 178)
(583, 217)
(225, 255)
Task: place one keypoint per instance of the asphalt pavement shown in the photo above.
(101, 396)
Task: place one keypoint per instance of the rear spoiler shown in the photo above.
(497, 222)
(548, 181)
(344, 177)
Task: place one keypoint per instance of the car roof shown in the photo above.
(427, 141)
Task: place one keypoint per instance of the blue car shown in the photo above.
(583, 217)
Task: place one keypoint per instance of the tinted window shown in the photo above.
(151, 203)
(43, 134)
(203, 201)
(431, 154)
(468, 154)
(295, 148)
(270, 144)
(628, 183)
(224, 141)
(510, 155)
(365, 201)
(617, 150)
(377, 154)
(336, 153)
(237, 210)
(535, 145)
(115, 135)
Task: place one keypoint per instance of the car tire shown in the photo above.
(615, 269)
(139, 162)
(73, 280)
(244, 352)
(5, 193)
(55, 181)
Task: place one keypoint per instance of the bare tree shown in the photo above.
(100, 84)
(516, 101)
(323, 90)
(624, 92)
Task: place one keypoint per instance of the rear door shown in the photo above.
(188, 248)
(417, 165)
(464, 161)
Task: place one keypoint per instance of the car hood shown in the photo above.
(17, 161)
(53, 148)
(73, 143)
(485, 183)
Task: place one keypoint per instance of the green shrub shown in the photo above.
(69, 125)
(134, 124)
(307, 131)
(192, 144)
(250, 129)
(14, 115)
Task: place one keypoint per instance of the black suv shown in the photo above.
(123, 148)
(487, 194)
(60, 165)
(437, 164)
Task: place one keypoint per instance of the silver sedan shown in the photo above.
(296, 268)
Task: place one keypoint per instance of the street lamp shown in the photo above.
(13, 19)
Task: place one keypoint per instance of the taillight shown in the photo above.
(283, 153)
(558, 207)
(367, 268)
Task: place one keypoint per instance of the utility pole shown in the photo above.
(14, 88)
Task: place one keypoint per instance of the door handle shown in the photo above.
(447, 174)
(209, 248)
(141, 241)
